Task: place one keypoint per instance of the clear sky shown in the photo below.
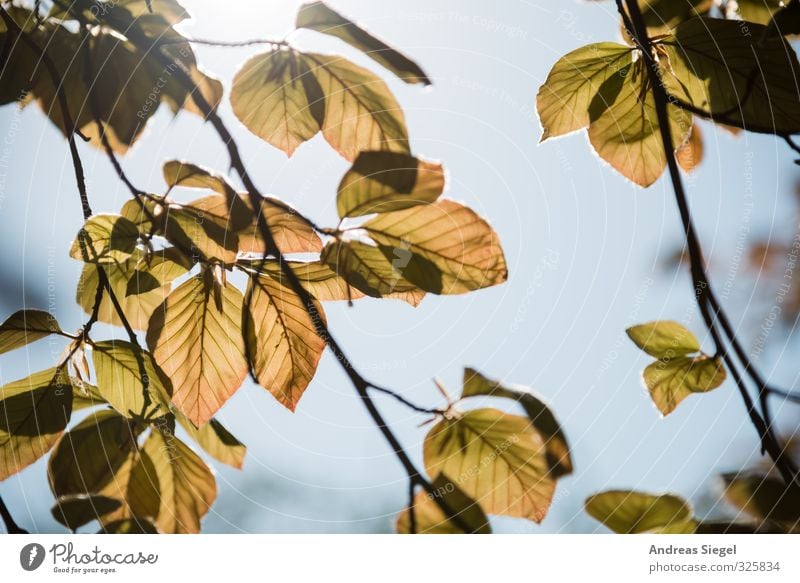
(585, 252)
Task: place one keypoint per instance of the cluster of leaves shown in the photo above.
(484, 461)
(738, 73)
(762, 504)
(170, 270)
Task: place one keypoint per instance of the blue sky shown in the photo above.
(584, 248)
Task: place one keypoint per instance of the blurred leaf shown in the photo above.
(129, 526)
(119, 379)
(34, 411)
(200, 346)
(765, 498)
(690, 154)
(319, 17)
(759, 11)
(388, 181)
(430, 519)
(75, 510)
(540, 415)
(758, 91)
(664, 339)
(284, 348)
(26, 326)
(105, 238)
(628, 512)
(662, 15)
(496, 459)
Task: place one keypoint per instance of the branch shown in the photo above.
(707, 302)
(11, 526)
(145, 44)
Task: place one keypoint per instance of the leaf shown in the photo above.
(133, 291)
(73, 511)
(186, 484)
(292, 232)
(205, 227)
(690, 154)
(431, 519)
(88, 457)
(321, 18)
(85, 395)
(360, 111)
(284, 348)
(443, 247)
(388, 181)
(756, 90)
(664, 339)
(759, 11)
(119, 380)
(199, 346)
(369, 270)
(317, 278)
(216, 441)
(671, 381)
(33, 413)
(765, 498)
(540, 415)
(628, 512)
(105, 238)
(624, 128)
(496, 459)
(129, 526)
(26, 326)
(575, 82)
(182, 173)
(276, 97)
(662, 15)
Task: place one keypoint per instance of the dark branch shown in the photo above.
(8, 520)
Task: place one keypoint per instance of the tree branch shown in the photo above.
(707, 302)
(8, 520)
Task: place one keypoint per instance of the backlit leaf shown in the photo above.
(199, 346)
(755, 90)
(186, 484)
(540, 415)
(119, 380)
(105, 239)
(216, 441)
(431, 519)
(317, 278)
(765, 498)
(664, 339)
(283, 344)
(75, 510)
(690, 154)
(628, 512)
(33, 413)
(388, 181)
(496, 459)
(26, 326)
(321, 18)
(671, 381)
(292, 233)
(129, 526)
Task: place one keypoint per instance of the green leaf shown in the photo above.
(662, 15)
(276, 97)
(759, 11)
(670, 381)
(388, 181)
(765, 498)
(73, 511)
(105, 238)
(360, 111)
(283, 346)
(757, 88)
(33, 413)
(26, 326)
(216, 441)
(540, 415)
(664, 339)
(443, 247)
(129, 526)
(199, 345)
(431, 519)
(319, 17)
(132, 289)
(88, 457)
(187, 486)
(575, 82)
(119, 380)
(628, 512)
(496, 459)
(85, 395)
